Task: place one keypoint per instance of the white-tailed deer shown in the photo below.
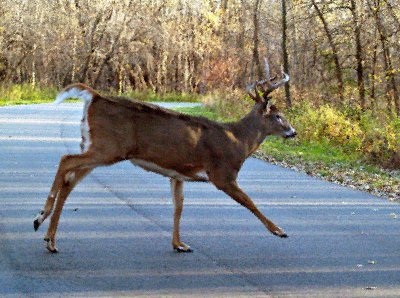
(182, 147)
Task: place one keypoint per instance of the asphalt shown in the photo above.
(115, 232)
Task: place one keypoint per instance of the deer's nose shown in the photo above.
(290, 133)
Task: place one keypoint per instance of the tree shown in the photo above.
(335, 54)
(359, 53)
(285, 53)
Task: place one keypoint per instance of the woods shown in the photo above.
(339, 52)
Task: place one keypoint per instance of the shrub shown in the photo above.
(381, 140)
(326, 125)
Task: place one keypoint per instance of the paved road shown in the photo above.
(115, 231)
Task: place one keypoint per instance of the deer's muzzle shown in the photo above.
(291, 133)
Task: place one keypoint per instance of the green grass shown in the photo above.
(163, 97)
(283, 149)
(25, 94)
(200, 111)
(18, 94)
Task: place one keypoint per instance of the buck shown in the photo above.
(178, 146)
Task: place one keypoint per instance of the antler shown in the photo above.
(271, 86)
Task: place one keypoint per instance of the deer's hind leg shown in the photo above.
(61, 198)
(72, 168)
(66, 172)
(177, 196)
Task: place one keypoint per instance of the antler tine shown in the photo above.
(257, 97)
(285, 79)
(273, 86)
(267, 81)
(267, 74)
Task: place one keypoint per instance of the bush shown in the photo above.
(381, 140)
(326, 125)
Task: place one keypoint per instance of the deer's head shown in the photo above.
(272, 119)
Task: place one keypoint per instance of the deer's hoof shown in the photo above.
(36, 224)
(280, 233)
(50, 245)
(38, 220)
(182, 249)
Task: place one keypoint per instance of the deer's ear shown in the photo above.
(271, 108)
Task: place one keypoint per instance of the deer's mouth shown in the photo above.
(291, 133)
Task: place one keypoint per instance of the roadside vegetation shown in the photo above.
(17, 94)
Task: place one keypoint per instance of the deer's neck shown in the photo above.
(250, 131)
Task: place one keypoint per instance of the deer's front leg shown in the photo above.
(177, 196)
(233, 190)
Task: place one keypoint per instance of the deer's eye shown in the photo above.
(279, 119)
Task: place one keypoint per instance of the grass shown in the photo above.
(283, 149)
(25, 94)
(200, 111)
(18, 94)
(321, 159)
(163, 97)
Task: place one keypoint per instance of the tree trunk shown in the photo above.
(359, 55)
(373, 72)
(391, 86)
(338, 68)
(256, 58)
(285, 53)
(241, 78)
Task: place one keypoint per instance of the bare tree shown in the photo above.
(332, 44)
(359, 53)
(285, 53)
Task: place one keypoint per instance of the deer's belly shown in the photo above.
(152, 167)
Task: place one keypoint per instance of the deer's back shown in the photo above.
(167, 138)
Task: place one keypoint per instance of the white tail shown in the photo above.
(78, 91)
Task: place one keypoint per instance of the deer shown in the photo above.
(178, 146)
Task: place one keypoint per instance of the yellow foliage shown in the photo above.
(327, 124)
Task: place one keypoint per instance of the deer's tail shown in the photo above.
(80, 91)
